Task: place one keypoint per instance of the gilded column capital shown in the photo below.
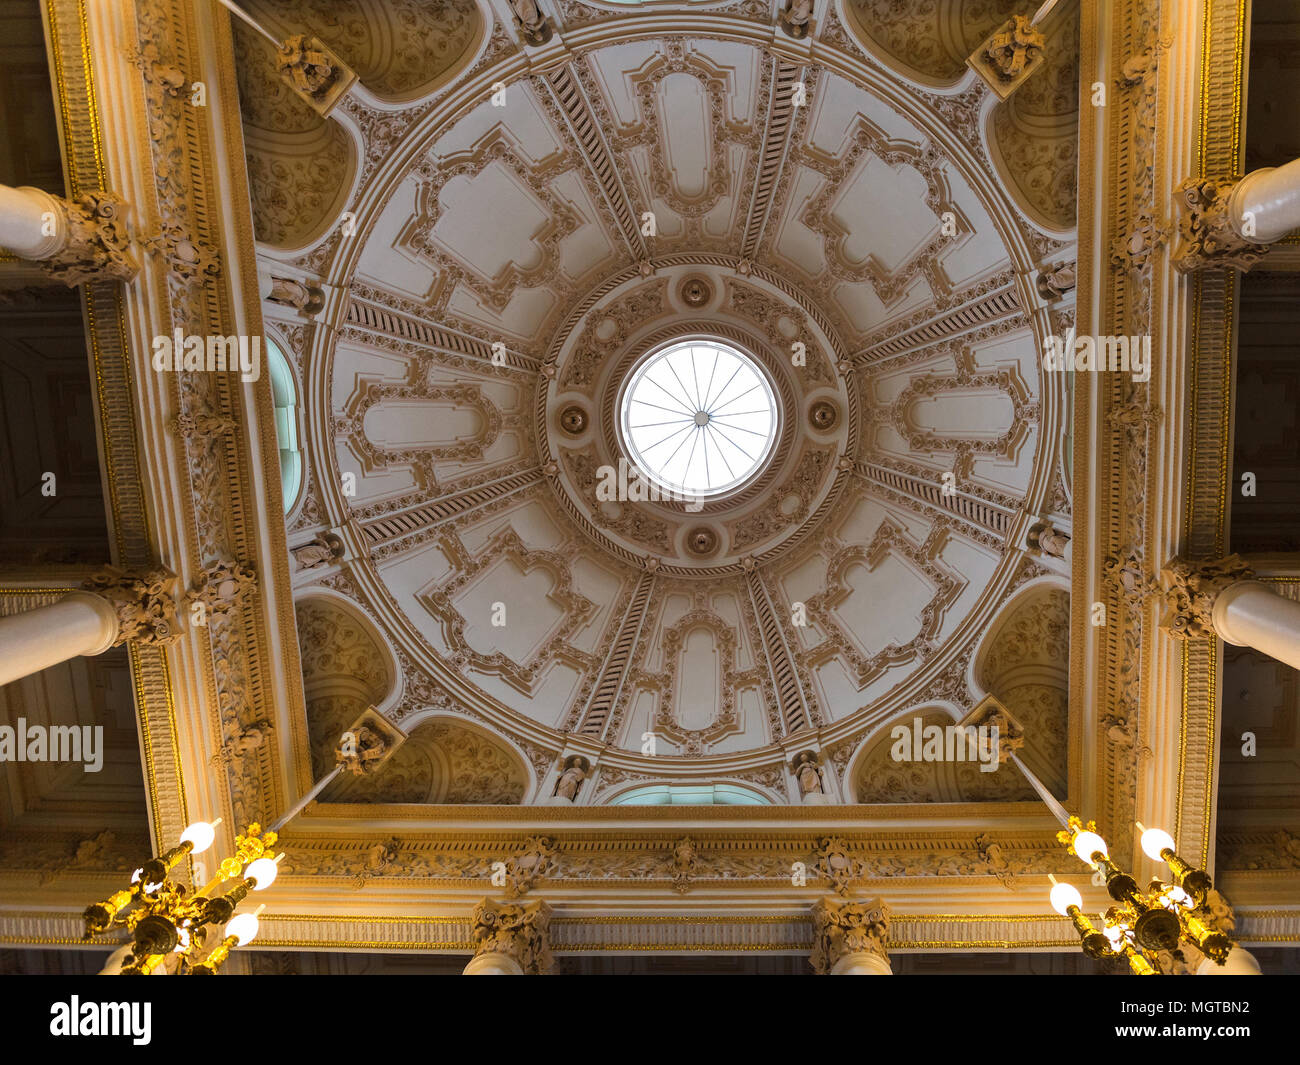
(521, 932)
(143, 602)
(1209, 238)
(98, 241)
(842, 928)
(1190, 589)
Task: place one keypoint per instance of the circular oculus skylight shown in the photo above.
(699, 418)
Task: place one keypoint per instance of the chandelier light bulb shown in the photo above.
(200, 834)
(243, 926)
(1155, 842)
(264, 871)
(1086, 844)
(1064, 896)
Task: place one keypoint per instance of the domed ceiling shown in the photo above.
(503, 236)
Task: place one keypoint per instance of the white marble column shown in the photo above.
(1240, 962)
(1264, 206)
(81, 623)
(493, 963)
(112, 607)
(1251, 614)
(1227, 223)
(1220, 597)
(32, 222)
(86, 239)
(862, 963)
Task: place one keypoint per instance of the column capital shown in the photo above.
(142, 601)
(1190, 589)
(1209, 237)
(98, 242)
(842, 929)
(520, 932)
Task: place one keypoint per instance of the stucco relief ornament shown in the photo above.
(201, 422)
(529, 864)
(1209, 237)
(187, 259)
(145, 609)
(1144, 240)
(1191, 589)
(685, 860)
(246, 743)
(844, 928)
(995, 860)
(220, 586)
(305, 65)
(1014, 47)
(837, 865)
(377, 858)
(1128, 572)
(98, 244)
(360, 750)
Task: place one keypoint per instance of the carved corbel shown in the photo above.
(1009, 56)
(367, 744)
(314, 72)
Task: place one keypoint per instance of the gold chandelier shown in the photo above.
(165, 918)
(1141, 924)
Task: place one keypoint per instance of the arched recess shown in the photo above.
(1024, 660)
(721, 793)
(401, 50)
(926, 41)
(445, 760)
(347, 667)
(885, 771)
(301, 167)
(1034, 135)
(288, 423)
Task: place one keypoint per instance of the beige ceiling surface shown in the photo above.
(834, 596)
